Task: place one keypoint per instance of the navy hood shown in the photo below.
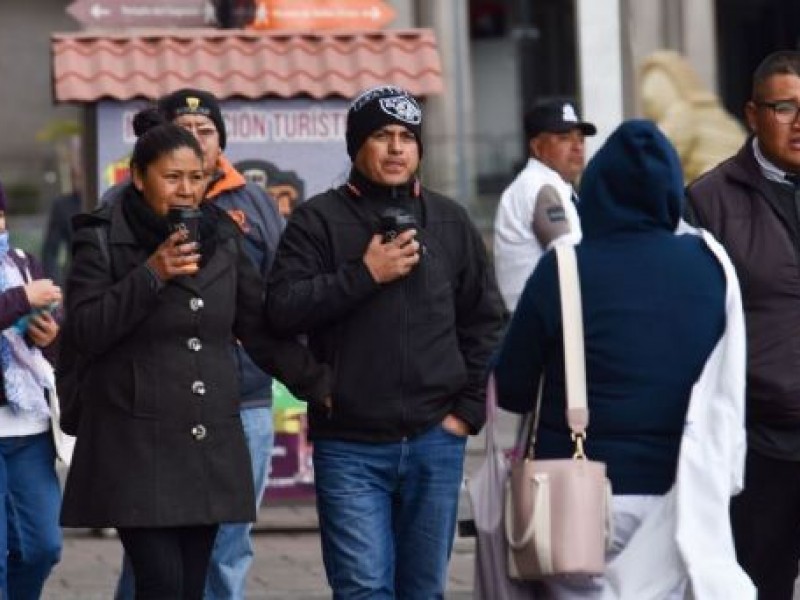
(633, 183)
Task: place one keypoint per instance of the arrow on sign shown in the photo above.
(142, 13)
(322, 14)
(98, 12)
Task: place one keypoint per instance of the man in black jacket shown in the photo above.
(750, 203)
(391, 283)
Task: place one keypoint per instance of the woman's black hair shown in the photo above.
(156, 137)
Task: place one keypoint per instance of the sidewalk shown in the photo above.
(287, 563)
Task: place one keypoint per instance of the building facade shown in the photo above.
(498, 56)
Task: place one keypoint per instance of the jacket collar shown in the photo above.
(359, 185)
(768, 169)
(746, 171)
(119, 231)
(227, 178)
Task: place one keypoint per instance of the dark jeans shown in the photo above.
(169, 563)
(387, 514)
(766, 525)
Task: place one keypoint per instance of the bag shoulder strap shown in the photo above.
(572, 325)
(577, 409)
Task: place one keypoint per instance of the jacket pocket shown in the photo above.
(144, 391)
(432, 288)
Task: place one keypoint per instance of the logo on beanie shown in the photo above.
(402, 108)
(193, 107)
(375, 92)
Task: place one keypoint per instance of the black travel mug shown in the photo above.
(394, 221)
(185, 218)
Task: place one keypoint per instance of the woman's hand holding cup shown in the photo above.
(175, 257)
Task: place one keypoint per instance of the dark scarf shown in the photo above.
(150, 229)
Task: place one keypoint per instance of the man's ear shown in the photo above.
(137, 179)
(533, 146)
(751, 116)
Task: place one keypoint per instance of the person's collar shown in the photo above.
(532, 160)
(226, 178)
(360, 185)
(768, 169)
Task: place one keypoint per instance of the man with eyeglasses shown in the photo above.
(751, 203)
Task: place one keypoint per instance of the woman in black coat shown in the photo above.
(161, 454)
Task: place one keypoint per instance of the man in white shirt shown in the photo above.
(538, 207)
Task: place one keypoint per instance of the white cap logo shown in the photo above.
(568, 114)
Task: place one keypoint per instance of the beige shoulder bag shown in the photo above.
(557, 512)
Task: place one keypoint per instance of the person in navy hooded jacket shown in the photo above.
(653, 311)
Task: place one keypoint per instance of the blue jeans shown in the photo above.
(387, 514)
(233, 550)
(30, 537)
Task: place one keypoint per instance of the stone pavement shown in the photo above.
(287, 563)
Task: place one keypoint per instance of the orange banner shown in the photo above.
(316, 15)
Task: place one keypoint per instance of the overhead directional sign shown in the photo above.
(143, 13)
(322, 14)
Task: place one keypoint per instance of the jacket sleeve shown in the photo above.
(13, 305)
(519, 362)
(270, 220)
(100, 311)
(479, 321)
(305, 291)
(14, 302)
(695, 211)
(286, 359)
(37, 272)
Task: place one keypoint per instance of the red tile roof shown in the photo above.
(121, 65)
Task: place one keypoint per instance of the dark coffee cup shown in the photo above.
(185, 218)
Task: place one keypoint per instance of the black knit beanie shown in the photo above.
(379, 106)
(194, 102)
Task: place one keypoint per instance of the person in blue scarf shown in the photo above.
(30, 495)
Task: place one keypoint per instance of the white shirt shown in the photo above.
(517, 249)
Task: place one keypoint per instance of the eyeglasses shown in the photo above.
(785, 110)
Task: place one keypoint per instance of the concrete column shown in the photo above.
(90, 198)
(600, 66)
(686, 26)
(448, 127)
(700, 40)
(406, 17)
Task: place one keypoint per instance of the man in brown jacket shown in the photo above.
(751, 203)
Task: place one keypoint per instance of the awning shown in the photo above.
(122, 65)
